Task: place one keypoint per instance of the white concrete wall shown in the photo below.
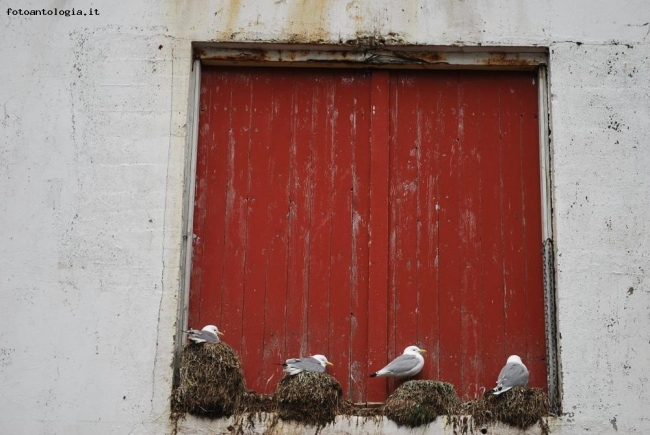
(92, 140)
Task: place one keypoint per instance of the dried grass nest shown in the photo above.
(211, 381)
(520, 407)
(211, 384)
(420, 402)
(309, 397)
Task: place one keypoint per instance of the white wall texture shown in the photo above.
(92, 144)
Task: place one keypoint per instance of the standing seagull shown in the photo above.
(314, 363)
(209, 334)
(513, 374)
(406, 365)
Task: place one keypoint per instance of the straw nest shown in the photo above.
(417, 403)
(211, 381)
(309, 397)
(211, 384)
(520, 407)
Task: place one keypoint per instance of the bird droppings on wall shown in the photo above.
(504, 59)
(375, 41)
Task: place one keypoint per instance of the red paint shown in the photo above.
(378, 326)
(359, 272)
(277, 180)
(512, 218)
(353, 213)
(428, 220)
(341, 168)
(403, 213)
(253, 237)
(469, 201)
(492, 231)
(318, 317)
(449, 320)
(296, 341)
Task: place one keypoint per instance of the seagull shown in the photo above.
(314, 363)
(513, 374)
(406, 365)
(209, 334)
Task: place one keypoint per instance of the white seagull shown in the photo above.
(209, 334)
(406, 365)
(513, 374)
(314, 363)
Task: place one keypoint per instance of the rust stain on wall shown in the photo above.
(234, 8)
(306, 21)
(502, 59)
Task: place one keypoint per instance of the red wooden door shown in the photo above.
(353, 213)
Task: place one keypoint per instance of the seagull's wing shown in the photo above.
(202, 336)
(310, 364)
(402, 364)
(307, 364)
(511, 375)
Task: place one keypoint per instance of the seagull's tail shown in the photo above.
(373, 375)
(499, 390)
(291, 370)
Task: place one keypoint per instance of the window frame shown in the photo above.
(390, 57)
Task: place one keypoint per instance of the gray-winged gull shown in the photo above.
(407, 364)
(209, 334)
(513, 374)
(314, 363)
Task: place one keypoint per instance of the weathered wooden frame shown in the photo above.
(373, 55)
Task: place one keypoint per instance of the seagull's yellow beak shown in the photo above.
(422, 351)
(220, 333)
(329, 363)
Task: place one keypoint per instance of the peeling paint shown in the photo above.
(364, 56)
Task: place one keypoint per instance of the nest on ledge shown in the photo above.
(211, 384)
(520, 407)
(211, 381)
(417, 403)
(309, 397)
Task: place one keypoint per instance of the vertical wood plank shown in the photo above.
(512, 215)
(236, 222)
(492, 231)
(378, 245)
(469, 203)
(450, 304)
(427, 191)
(256, 242)
(403, 219)
(216, 182)
(341, 234)
(319, 280)
(300, 215)
(359, 270)
(277, 178)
